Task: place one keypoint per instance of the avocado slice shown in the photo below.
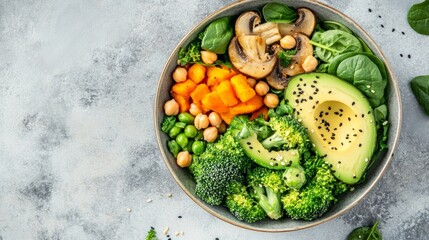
(339, 120)
(276, 160)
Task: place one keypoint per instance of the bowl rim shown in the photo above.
(389, 154)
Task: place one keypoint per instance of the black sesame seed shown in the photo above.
(369, 10)
(324, 139)
(305, 84)
(329, 108)
(342, 144)
(333, 171)
(315, 81)
(310, 97)
(216, 238)
(393, 29)
(168, 236)
(317, 77)
(360, 144)
(355, 115)
(363, 115)
(322, 135)
(354, 176)
(314, 107)
(294, 92)
(379, 16)
(341, 124)
(297, 113)
(317, 102)
(297, 101)
(335, 129)
(179, 216)
(355, 135)
(297, 175)
(341, 115)
(319, 127)
(312, 86)
(248, 143)
(360, 130)
(403, 33)
(350, 141)
(401, 55)
(330, 92)
(336, 113)
(259, 151)
(251, 147)
(339, 162)
(409, 56)
(300, 79)
(152, 227)
(353, 103)
(326, 113)
(298, 86)
(333, 138)
(382, 25)
(276, 164)
(331, 165)
(369, 112)
(341, 110)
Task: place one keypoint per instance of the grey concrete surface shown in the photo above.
(78, 156)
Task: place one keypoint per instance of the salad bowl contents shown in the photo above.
(274, 117)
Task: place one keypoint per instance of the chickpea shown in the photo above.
(271, 100)
(210, 134)
(208, 57)
(288, 42)
(262, 88)
(309, 64)
(171, 108)
(194, 110)
(222, 127)
(180, 74)
(184, 159)
(251, 82)
(201, 121)
(215, 119)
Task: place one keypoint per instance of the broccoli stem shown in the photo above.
(274, 140)
(270, 202)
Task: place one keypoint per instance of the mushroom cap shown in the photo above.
(246, 22)
(279, 77)
(248, 55)
(305, 23)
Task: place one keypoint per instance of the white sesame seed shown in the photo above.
(309, 111)
(372, 90)
(293, 153)
(165, 232)
(279, 157)
(368, 86)
(169, 194)
(283, 163)
(370, 120)
(299, 120)
(312, 130)
(149, 200)
(314, 145)
(176, 233)
(271, 163)
(385, 123)
(129, 210)
(182, 233)
(366, 159)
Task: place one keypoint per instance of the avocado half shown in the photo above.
(339, 120)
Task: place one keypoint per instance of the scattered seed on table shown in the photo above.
(369, 10)
(379, 16)
(393, 29)
(129, 210)
(403, 33)
(382, 25)
(166, 231)
(176, 234)
(409, 56)
(179, 216)
(149, 200)
(169, 194)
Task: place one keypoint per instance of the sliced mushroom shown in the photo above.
(305, 23)
(279, 77)
(246, 22)
(248, 55)
(269, 31)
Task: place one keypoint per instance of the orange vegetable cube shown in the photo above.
(227, 117)
(241, 88)
(213, 102)
(183, 102)
(248, 107)
(184, 88)
(197, 73)
(227, 94)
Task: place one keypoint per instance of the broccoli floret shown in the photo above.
(151, 234)
(268, 186)
(223, 162)
(288, 133)
(241, 204)
(316, 197)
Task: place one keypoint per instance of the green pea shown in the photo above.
(182, 140)
(189, 146)
(173, 147)
(174, 131)
(191, 131)
(198, 147)
(180, 125)
(186, 118)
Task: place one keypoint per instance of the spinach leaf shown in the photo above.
(280, 13)
(364, 46)
(285, 56)
(217, 35)
(332, 25)
(322, 68)
(365, 233)
(168, 123)
(420, 88)
(380, 114)
(332, 43)
(365, 75)
(418, 17)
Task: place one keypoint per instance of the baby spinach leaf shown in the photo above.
(418, 17)
(217, 35)
(420, 88)
(332, 43)
(365, 233)
(285, 56)
(323, 68)
(365, 75)
(332, 25)
(364, 46)
(277, 12)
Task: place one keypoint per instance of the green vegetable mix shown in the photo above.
(217, 35)
(365, 233)
(277, 12)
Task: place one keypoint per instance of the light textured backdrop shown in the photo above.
(78, 156)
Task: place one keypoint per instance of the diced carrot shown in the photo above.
(197, 73)
(227, 117)
(247, 107)
(184, 88)
(227, 94)
(183, 101)
(231, 71)
(241, 88)
(261, 111)
(213, 102)
(198, 94)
